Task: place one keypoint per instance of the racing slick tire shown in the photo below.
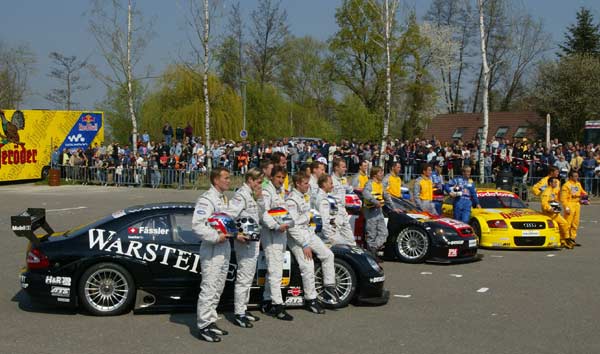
(345, 284)
(106, 289)
(412, 245)
(476, 229)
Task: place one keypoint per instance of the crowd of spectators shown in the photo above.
(180, 157)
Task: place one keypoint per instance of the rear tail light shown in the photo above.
(497, 224)
(36, 259)
(550, 224)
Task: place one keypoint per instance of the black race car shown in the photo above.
(146, 258)
(416, 236)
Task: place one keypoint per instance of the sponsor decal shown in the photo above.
(200, 212)
(23, 281)
(456, 242)
(76, 138)
(295, 291)
(530, 233)
(105, 240)
(231, 272)
(60, 291)
(377, 279)
(472, 243)
(518, 213)
(452, 252)
(18, 155)
(451, 222)
(88, 123)
(496, 194)
(294, 301)
(52, 280)
(147, 231)
(63, 299)
(21, 228)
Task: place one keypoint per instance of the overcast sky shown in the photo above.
(61, 26)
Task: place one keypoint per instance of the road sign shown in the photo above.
(243, 134)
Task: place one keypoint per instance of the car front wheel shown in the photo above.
(412, 245)
(345, 283)
(106, 289)
(476, 229)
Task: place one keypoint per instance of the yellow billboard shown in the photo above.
(28, 137)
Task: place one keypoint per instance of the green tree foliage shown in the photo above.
(417, 88)
(179, 100)
(568, 89)
(267, 112)
(356, 121)
(228, 58)
(357, 53)
(583, 37)
(116, 112)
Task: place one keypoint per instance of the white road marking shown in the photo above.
(496, 256)
(551, 255)
(483, 290)
(65, 209)
(426, 273)
(403, 296)
(456, 275)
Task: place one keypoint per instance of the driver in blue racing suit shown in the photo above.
(462, 188)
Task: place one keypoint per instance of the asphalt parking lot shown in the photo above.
(510, 302)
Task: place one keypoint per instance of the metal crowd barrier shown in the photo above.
(186, 179)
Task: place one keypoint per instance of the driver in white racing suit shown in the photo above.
(274, 241)
(340, 189)
(303, 242)
(247, 202)
(214, 255)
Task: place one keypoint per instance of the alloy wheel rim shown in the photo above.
(106, 290)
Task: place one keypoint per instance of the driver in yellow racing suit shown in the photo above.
(551, 208)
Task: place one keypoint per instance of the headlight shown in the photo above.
(444, 232)
(373, 264)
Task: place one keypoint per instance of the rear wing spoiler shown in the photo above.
(26, 223)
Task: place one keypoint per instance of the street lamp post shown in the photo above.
(243, 82)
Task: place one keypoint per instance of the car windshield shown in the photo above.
(405, 205)
(499, 202)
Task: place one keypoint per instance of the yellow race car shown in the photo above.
(505, 221)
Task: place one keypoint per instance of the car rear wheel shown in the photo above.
(345, 283)
(476, 229)
(106, 289)
(412, 245)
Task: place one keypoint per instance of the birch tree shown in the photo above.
(121, 44)
(486, 79)
(387, 10)
(199, 17)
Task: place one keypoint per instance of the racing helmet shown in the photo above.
(223, 223)
(457, 191)
(282, 216)
(405, 192)
(353, 202)
(555, 206)
(249, 227)
(333, 209)
(316, 222)
(585, 200)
